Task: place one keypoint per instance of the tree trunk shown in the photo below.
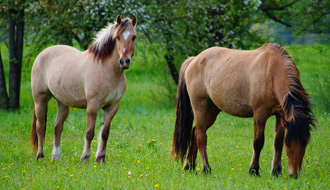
(3, 89)
(16, 34)
(170, 63)
(169, 54)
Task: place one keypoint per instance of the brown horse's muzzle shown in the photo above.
(124, 64)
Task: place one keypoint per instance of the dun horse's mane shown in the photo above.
(105, 40)
(296, 103)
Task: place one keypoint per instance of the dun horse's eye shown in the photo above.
(118, 37)
(133, 38)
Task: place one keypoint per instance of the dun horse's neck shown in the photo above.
(112, 64)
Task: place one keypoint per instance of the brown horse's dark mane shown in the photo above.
(105, 41)
(296, 103)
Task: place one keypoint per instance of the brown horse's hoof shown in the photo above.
(84, 158)
(254, 172)
(190, 167)
(207, 170)
(276, 172)
(40, 155)
(294, 176)
(100, 159)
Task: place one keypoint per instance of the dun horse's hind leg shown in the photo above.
(62, 114)
(104, 133)
(92, 110)
(278, 144)
(260, 118)
(205, 113)
(41, 103)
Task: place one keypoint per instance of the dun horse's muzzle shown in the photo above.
(124, 64)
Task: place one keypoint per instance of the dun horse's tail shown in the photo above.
(184, 117)
(33, 135)
(296, 105)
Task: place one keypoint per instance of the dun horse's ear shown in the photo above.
(134, 21)
(118, 20)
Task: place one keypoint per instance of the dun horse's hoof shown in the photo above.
(276, 172)
(254, 172)
(40, 155)
(100, 159)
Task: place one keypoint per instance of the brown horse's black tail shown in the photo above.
(184, 117)
(33, 134)
(296, 105)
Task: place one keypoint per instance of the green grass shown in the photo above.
(138, 150)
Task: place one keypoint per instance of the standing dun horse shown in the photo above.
(256, 83)
(92, 80)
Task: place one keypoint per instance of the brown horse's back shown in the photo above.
(237, 81)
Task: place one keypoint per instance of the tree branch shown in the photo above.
(280, 8)
(277, 19)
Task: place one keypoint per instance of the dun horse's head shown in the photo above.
(125, 40)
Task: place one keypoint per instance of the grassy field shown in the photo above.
(138, 150)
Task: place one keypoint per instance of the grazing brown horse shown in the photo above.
(256, 83)
(92, 80)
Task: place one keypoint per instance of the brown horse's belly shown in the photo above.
(238, 110)
(233, 106)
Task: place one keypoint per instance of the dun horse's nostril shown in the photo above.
(121, 61)
(128, 61)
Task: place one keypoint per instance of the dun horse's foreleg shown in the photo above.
(41, 114)
(91, 119)
(278, 145)
(104, 133)
(41, 127)
(62, 114)
(258, 140)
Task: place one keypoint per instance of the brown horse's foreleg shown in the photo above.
(258, 140)
(278, 145)
(62, 114)
(91, 119)
(190, 163)
(108, 115)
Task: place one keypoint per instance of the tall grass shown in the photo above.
(138, 150)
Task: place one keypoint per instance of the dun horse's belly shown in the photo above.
(69, 96)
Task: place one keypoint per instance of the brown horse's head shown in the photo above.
(125, 40)
(297, 121)
(295, 151)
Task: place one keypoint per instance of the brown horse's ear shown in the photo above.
(134, 21)
(118, 20)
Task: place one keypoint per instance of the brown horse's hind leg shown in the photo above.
(62, 114)
(41, 103)
(260, 119)
(104, 133)
(190, 163)
(91, 118)
(278, 145)
(205, 113)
